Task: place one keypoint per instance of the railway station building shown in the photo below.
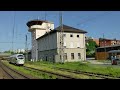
(46, 42)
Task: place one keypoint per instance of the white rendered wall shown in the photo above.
(36, 32)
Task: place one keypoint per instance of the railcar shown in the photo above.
(17, 59)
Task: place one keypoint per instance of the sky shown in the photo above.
(96, 23)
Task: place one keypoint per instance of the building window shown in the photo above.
(64, 35)
(71, 35)
(60, 57)
(71, 45)
(64, 45)
(65, 56)
(78, 45)
(46, 59)
(72, 55)
(78, 36)
(79, 56)
(53, 58)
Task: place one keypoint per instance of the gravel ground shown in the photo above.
(97, 62)
(103, 63)
(3, 74)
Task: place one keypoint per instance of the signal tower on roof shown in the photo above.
(38, 28)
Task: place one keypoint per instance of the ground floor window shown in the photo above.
(72, 55)
(46, 58)
(60, 57)
(65, 56)
(79, 56)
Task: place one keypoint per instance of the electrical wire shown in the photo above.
(94, 18)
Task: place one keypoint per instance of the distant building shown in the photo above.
(87, 39)
(19, 51)
(108, 42)
(104, 53)
(96, 40)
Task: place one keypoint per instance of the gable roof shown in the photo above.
(70, 29)
(65, 29)
(101, 39)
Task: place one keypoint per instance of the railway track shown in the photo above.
(59, 76)
(19, 75)
(13, 74)
(89, 73)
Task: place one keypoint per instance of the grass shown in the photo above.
(50, 69)
(110, 70)
(34, 74)
(45, 66)
(82, 66)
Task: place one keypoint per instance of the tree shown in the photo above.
(90, 48)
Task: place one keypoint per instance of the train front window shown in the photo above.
(20, 57)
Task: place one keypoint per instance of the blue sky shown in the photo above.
(94, 22)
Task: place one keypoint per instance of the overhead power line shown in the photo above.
(94, 18)
(13, 42)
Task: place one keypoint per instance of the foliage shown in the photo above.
(90, 48)
(88, 67)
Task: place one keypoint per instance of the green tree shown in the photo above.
(90, 48)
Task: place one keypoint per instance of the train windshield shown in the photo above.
(20, 57)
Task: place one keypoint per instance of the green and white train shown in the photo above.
(17, 59)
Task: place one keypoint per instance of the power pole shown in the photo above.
(104, 45)
(26, 49)
(61, 38)
(13, 32)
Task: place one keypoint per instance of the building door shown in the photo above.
(46, 58)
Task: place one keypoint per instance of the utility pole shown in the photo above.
(104, 45)
(26, 49)
(61, 38)
(13, 32)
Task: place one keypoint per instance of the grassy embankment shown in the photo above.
(32, 73)
(111, 70)
(48, 67)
